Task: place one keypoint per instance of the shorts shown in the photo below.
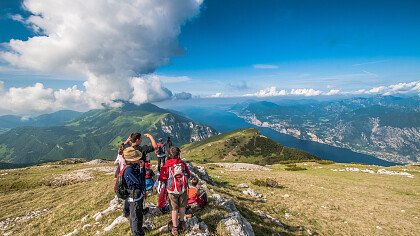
(177, 201)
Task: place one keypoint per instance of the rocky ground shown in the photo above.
(245, 199)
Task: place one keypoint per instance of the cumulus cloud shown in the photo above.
(217, 95)
(332, 92)
(148, 90)
(37, 99)
(305, 92)
(268, 92)
(113, 43)
(400, 88)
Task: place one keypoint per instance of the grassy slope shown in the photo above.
(327, 202)
(320, 200)
(316, 199)
(245, 145)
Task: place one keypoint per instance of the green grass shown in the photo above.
(6, 153)
(269, 182)
(320, 200)
(294, 167)
(317, 199)
(244, 145)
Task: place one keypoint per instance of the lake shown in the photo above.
(224, 121)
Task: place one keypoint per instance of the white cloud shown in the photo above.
(332, 92)
(17, 18)
(265, 66)
(110, 42)
(404, 87)
(148, 89)
(400, 88)
(217, 95)
(305, 92)
(38, 99)
(376, 90)
(268, 92)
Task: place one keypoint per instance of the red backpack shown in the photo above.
(177, 181)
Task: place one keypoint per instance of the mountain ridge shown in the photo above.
(96, 134)
(243, 145)
(384, 126)
(61, 117)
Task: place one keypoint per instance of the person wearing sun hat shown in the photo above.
(134, 176)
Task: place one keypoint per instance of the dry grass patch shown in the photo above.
(327, 202)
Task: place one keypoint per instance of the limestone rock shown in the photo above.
(243, 185)
(251, 192)
(236, 225)
(197, 228)
(119, 220)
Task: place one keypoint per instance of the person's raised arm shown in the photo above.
(128, 140)
(152, 141)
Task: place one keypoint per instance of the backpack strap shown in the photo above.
(122, 171)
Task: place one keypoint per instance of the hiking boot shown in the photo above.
(174, 230)
(182, 225)
(145, 210)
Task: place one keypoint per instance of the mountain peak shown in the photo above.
(129, 106)
(243, 145)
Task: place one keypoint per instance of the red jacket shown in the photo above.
(164, 170)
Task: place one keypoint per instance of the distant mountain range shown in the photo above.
(93, 134)
(385, 126)
(8, 122)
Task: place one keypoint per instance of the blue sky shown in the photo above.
(240, 47)
(308, 42)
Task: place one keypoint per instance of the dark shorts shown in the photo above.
(177, 201)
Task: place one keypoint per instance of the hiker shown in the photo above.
(160, 153)
(168, 144)
(149, 176)
(175, 174)
(134, 175)
(197, 197)
(120, 162)
(134, 140)
(193, 192)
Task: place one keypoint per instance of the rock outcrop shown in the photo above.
(234, 224)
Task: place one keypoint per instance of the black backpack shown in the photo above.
(120, 187)
(160, 150)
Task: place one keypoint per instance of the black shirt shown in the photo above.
(145, 149)
(149, 174)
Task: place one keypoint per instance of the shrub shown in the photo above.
(70, 161)
(294, 167)
(325, 162)
(269, 182)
